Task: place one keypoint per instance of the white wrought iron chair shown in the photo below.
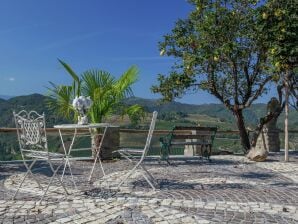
(33, 145)
(133, 154)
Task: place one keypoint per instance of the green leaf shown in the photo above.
(77, 82)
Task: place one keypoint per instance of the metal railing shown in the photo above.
(224, 141)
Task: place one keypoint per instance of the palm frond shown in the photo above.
(76, 80)
(106, 92)
(127, 79)
(60, 100)
(96, 79)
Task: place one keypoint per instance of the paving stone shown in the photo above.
(230, 190)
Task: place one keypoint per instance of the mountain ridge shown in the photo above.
(5, 97)
(38, 102)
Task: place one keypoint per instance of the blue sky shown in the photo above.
(105, 34)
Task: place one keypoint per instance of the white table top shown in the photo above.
(82, 126)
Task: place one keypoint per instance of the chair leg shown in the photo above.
(151, 177)
(149, 174)
(61, 183)
(146, 178)
(52, 177)
(55, 174)
(28, 171)
(20, 185)
(128, 175)
(64, 168)
(74, 183)
(70, 170)
(93, 167)
(103, 171)
(33, 176)
(149, 182)
(126, 156)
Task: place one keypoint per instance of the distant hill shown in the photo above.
(35, 102)
(5, 97)
(251, 115)
(38, 102)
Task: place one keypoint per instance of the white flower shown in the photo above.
(81, 104)
(87, 102)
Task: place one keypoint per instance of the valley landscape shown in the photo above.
(170, 114)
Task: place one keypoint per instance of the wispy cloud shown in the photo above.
(11, 79)
(71, 40)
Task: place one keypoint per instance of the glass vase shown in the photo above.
(83, 120)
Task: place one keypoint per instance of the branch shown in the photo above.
(258, 92)
(261, 57)
(213, 89)
(235, 77)
(248, 92)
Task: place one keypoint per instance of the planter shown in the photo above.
(111, 143)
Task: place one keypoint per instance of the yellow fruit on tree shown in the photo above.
(277, 64)
(273, 50)
(278, 13)
(264, 15)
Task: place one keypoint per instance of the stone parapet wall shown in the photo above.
(269, 140)
(110, 143)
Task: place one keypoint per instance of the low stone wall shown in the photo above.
(269, 140)
(110, 143)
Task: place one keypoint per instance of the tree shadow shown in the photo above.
(167, 184)
(8, 169)
(181, 161)
(40, 167)
(255, 175)
(285, 184)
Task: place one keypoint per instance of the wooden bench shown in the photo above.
(200, 139)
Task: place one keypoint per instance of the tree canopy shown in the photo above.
(219, 48)
(278, 20)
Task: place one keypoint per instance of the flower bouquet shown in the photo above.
(81, 104)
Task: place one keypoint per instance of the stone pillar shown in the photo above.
(110, 143)
(269, 138)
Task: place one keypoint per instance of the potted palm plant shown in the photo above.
(106, 94)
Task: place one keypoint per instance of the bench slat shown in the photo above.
(190, 143)
(191, 136)
(198, 128)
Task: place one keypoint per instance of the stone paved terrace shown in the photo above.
(228, 190)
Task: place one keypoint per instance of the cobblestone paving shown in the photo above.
(230, 189)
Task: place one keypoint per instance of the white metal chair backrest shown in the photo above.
(150, 133)
(31, 131)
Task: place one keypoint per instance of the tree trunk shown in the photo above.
(95, 143)
(242, 130)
